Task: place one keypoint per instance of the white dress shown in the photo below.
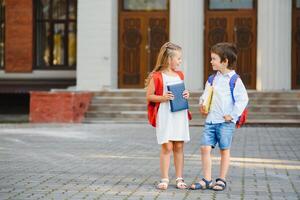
(171, 126)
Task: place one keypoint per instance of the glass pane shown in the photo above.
(59, 9)
(298, 3)
(72, 44)
(2, 33)
(58, 44)
(42, 7)
(43, 44)
(72, 9)
(230, 4)
(145, 4)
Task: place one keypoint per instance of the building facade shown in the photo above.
(113, 44)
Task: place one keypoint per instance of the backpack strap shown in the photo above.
(211, 79)
(180, 74)
(232, 82)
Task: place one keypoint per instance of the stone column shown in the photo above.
(274, 45)
(186, 30)
(97, 44)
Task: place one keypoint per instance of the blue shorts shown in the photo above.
(220, 133)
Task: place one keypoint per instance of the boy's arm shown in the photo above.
(201, 99)
(241, 99)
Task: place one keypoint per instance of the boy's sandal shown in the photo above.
(180, 184)
(199, 186)
(163, 184)
(220, 185)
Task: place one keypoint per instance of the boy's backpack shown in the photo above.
(242, 119)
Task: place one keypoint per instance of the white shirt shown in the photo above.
(222, 102)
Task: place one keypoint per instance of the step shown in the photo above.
(142, 100)
(193, 108)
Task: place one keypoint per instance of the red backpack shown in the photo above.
(243, 117)
(152, 107)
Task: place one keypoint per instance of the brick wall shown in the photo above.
(18, 35)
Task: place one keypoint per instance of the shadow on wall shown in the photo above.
(11, 103)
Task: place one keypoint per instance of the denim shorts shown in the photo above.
(220, 133)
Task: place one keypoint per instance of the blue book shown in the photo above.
(178, 103)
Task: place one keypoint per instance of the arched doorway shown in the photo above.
(233, 21)
(143, 28)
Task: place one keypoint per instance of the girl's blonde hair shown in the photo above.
(166, 52)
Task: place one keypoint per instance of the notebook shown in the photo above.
(178, 103)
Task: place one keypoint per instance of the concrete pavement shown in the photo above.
(121, 161)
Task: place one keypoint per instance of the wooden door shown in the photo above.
(296, 45)
(141, 34)
(233, 21)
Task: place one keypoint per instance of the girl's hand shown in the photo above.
(202, 110)
(186, 94)
(168, 96)
(228, 118)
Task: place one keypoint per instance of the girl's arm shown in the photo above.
(156, 98)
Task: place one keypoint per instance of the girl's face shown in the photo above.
(175, 60)
(216, 63)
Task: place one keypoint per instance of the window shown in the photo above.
(298, 4)
(145, 5)
(56, 34)
(2, 31)
(230, 4)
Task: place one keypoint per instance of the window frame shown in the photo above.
(52, 22)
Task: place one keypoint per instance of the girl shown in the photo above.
(172, 128)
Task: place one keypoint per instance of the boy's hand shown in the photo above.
(168, 96)
(186, 94)
(202, 110)
(228, 118)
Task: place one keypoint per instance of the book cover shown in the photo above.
(179, 102)
(208, 99)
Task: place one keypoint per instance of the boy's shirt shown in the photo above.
(222, 102)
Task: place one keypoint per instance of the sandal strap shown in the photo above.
(164, 180)
(221, 180)
(179, 179)
(207, 183)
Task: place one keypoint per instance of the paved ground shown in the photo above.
(110, 161)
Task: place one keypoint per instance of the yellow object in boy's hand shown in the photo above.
(203, 110)
(208, 99)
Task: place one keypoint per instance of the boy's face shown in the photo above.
(216, 63)
(176, 60)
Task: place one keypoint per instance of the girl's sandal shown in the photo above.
(163, 184)
(199, 186)
(220, 185)
(180, 184)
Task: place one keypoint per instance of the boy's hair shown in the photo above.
(227, 51)
(166, 51)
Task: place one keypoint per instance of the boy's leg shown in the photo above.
(206, 162)
(208, 141)
(165, 154)
(225, 160)
(178, 157)
(225, 134)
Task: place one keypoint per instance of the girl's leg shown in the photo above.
(178, 158)
(165, 154)
(179, 162)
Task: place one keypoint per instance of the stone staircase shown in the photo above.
(124, 106)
